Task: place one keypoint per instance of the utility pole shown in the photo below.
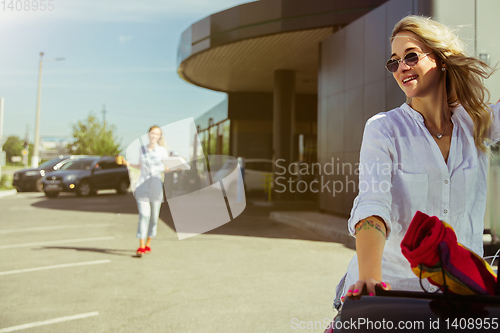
(27, 140)
(36, 150)
(104, 115)
(26, 146)
(34, 158)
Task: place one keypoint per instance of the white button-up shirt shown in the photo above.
(149, 186)
(402, 170)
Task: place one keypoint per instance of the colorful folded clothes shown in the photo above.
(428, 239)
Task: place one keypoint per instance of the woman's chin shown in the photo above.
(411, 94)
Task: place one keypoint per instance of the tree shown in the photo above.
(92, 138)
(13, 147)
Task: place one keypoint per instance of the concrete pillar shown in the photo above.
(283, 127)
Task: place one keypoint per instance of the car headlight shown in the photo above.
(70, 178)
(32, 173)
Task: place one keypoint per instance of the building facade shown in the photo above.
(303, 77)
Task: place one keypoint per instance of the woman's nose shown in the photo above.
(402, 66)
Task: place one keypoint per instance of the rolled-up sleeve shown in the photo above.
(375, 175)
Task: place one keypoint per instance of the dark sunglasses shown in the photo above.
(410, 59)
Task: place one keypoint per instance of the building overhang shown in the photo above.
(240, 48)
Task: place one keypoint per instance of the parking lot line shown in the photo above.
(6, 231)
(48, 322)
(55, 242)
(34, 269)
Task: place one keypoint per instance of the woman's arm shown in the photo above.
(128, 164)
(137, 166)
(370, 241)
(370, 215)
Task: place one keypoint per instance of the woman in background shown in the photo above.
(149, 190)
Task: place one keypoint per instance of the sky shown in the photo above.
(117, 53)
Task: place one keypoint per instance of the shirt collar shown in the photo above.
(418, 116)
(154, 148)
(412, 113)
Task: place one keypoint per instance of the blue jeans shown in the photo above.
(149, 211)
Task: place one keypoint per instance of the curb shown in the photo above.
(333, 227)
(7, 193)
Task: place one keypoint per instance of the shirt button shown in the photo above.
(446, 181)
(445, 211)
(433, 289)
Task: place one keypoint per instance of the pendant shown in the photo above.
(439, 136)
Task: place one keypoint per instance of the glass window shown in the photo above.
(213, 141)
(226, 127)
(49, 163)
(259, 166)
(78, 165)
(109, 165)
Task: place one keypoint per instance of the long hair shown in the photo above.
(464, 74)
(161, 141)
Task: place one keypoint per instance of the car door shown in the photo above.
(112, 174)
(98, 175)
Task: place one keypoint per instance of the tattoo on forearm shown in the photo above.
(367, 224)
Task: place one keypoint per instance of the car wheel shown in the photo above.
(84, 189)
(39, 185)
(52, 194)
(122, 187)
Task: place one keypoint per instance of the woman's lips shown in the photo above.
(409, 79)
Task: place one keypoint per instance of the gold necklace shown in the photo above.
(439, 136)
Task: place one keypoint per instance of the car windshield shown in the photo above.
(49, 163)
(77, 165)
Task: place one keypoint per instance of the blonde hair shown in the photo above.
(161, 140)
(464, 74)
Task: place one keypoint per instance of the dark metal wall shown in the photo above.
(251, 116)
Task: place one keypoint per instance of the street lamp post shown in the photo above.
(36, 148)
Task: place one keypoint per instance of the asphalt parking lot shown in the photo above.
(69, 265)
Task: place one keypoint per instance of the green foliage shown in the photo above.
(13, 147)
(5, 182)
(93, 138)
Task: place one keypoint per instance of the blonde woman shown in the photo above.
(149, 190)
(429, 154)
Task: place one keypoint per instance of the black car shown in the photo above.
(85, 176)
(31, 179)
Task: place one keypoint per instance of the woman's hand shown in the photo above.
(355, 291)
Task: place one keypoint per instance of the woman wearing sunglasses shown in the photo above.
(436, 148)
